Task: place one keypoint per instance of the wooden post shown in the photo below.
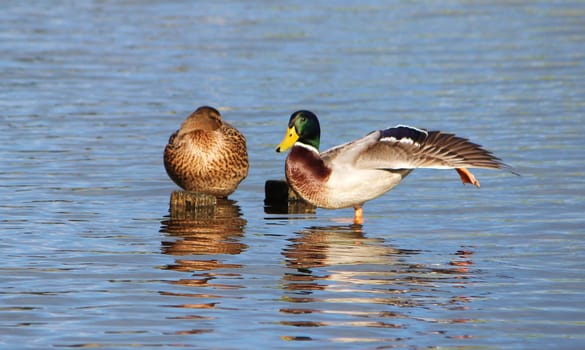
(281, 199)
(185, 204)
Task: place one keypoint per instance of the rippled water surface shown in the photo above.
(94, 256)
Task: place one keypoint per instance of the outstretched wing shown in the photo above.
(349, 153)
(406, 147)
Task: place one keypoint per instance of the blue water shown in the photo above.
(92, 257)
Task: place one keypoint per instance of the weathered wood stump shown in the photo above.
(202, 224)
(281, 199)
(185, 204)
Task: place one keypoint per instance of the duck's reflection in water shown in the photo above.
(340, 278)
(203, 238)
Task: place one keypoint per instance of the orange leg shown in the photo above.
(467, 177)
(358, 216)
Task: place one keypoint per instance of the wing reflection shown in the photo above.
(340, 277)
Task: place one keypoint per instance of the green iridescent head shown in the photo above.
(303, 127)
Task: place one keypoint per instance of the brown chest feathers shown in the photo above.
(306, 173)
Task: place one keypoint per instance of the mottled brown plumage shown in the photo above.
(206, 154)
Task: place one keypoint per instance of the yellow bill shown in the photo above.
(289, 140)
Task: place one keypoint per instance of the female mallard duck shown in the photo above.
(353, 173)
(206, 154)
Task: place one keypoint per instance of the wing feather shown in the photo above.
(348, 153)
(405, 147)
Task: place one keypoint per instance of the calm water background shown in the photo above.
(91, 90)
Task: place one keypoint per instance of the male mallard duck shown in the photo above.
(206, 154)
(353, 173)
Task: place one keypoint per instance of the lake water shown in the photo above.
(91, 257)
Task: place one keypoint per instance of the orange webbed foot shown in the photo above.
(467, 177)
(358, 216)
